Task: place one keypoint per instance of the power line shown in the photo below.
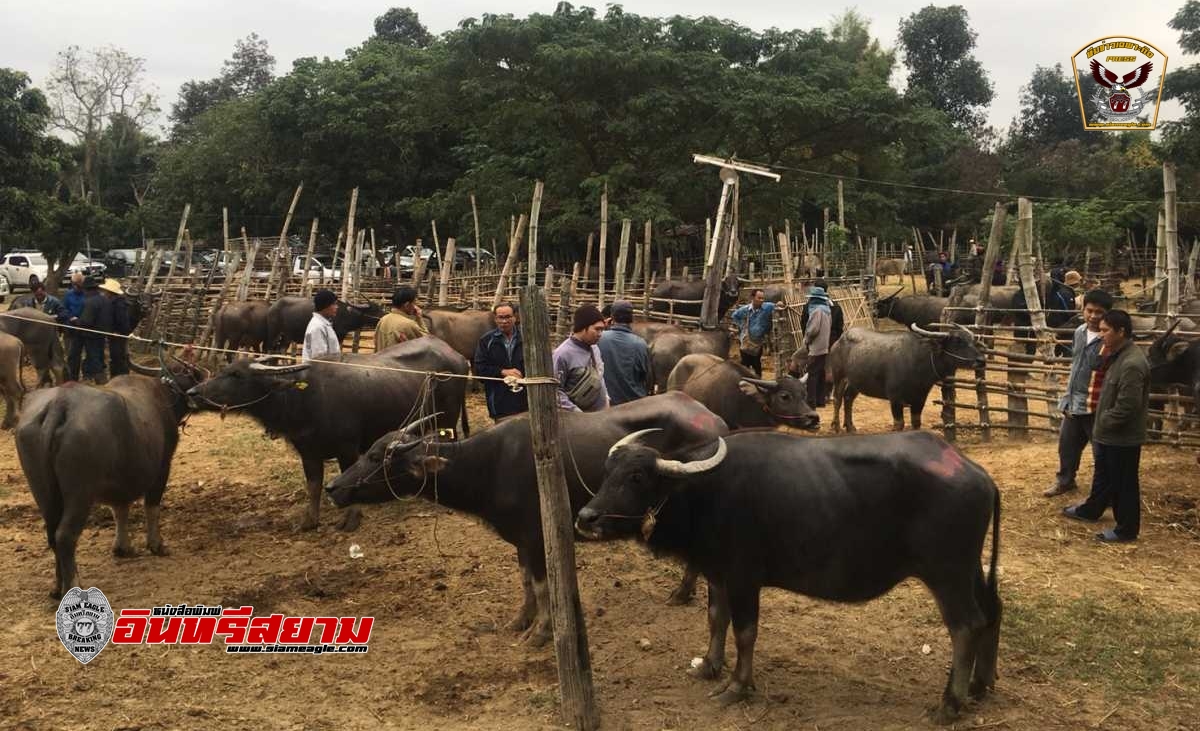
(961, 191)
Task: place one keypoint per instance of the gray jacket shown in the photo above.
(1074, 401)
(626, 364)
(570, 357)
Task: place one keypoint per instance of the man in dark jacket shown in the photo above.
(499, 355)
(118, 352)
(1120, 389)
(71, 311)
(626, 357)
(97, 315)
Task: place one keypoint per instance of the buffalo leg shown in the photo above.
(839, 392)
(851, 394)
(314, 476)
(897, 415)
(121, 545)
(965, 620)
(743, 611)
(718, 627)
(984, 678)
(351, 516)
(541, 630)
(66, 538)
(528, 609)
(686, 591)
(916, 416)
(154, 542)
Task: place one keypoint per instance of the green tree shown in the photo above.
(403, 26)
(28, 166)
(1049, 109)
(937, 44)
(249, 70)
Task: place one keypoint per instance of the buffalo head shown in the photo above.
(957, 347)
(399, 463)
(784, 399)
(351, 317)
(637, 483)
(1165, 354)
(884, 305)
(246, 382)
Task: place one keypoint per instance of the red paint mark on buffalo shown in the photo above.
(947, 465)
(704, 422)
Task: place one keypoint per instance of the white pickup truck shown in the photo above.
(319, 268)
(19, 267)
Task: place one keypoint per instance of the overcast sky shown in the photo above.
(189, 40)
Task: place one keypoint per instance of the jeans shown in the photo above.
(93, 359)
(118, 356)
(816, 380)
(753, 362)
(1074, 434)
(74, 355)
(1116, 484)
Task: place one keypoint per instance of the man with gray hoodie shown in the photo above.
(579, 366)
(816, 342)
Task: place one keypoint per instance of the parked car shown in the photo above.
(121, 262)
(4, 290)
(89, 267)
(320, 268)
(19, 267)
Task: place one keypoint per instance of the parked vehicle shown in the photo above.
(320, 268)
(18, 267)
(5, 291)
(93, 267)
(122, 262)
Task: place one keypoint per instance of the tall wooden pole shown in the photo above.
(989, 263)
(187, 209)
(437, 243)
(444, 282)
(710, 308)
(225, 228)
(347, 261)
(587, 259)
(287, 221)
(1172, 239)
(728, 178)
(646, 269)
(475, 217)
(1160, 263)
(570, 631)
(306, 284)
(514, 246)
(1189, 286)
(622, 259)
(841, 206)
(535, 213)
(603, 242)
(789, 275)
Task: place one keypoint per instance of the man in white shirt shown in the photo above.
(320, 338)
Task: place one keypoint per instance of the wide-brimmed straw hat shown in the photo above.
(112, 285)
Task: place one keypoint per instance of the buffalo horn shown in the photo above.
(630, 439)
(965, 329)
(683, 469)
(139, 368)
(259, 367)
(927, 333)
(1171, 329)
(415, 426)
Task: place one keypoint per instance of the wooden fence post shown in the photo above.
(187, 209)
(570, 631)
(622, 260)
(646, 270)
(535, 213)
(306, 283)
(603, 243)
(347, 259)
(587, 259)
(1171, 240)
(444, 283)
(514, 247)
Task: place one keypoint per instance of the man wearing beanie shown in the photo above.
(626, 357)
(319, 338)
(578, 365)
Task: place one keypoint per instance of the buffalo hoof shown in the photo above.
(158, 550)
(519, 623)
(704, 670)
(681, 597)
(735, 692)
(350, 520)
(943, 715)
(979, 689)
(537, 636)
(309, 522)
(123, 551)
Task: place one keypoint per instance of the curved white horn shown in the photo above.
(676, 468)
(278, 370)
(927, 333)
(965, 329)
(630, 439)
(415, 426)
(143, 370)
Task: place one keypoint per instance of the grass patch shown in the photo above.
(1114, 641)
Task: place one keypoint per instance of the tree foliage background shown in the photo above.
(581, 99)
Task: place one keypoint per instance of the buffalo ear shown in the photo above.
(429, 464)
(1177, 350)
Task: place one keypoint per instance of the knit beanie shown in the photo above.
(585, 317)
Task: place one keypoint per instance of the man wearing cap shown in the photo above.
(753, 322)
(319, 337)
(97, 317)
(403, 323)
(626, 357)
(118, 352)
(578, 365)
(499, 354)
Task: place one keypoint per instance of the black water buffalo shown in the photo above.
(491, 475)
(242, 325)
(692, 292)
(326, 410)
(1000, 298)
(898, 366)
(37, 331)
(836, 519)
(922, 310)
(10, 378)
(81, 444)
(461, 330)
(731, 391)
(1174, 360)
(288, 318)
(668, 348)
(651, 330)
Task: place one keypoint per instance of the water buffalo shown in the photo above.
(669, 348)
(37, 331)
(836, 519)
(81, 444)
(10, 378)
(967, 295)
(651, 330)
(288, 317)
(461, 330)
(692, 292)
(898, 366)
(921, 310)
(491, 475)
(326, 410)
(241, 325)
(890, 267)
(731, 391)
(1174, 360)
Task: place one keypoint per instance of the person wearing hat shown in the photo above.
(578, 365)
(118, 351)
(626, 357)
(320, 338)
(753, 322)
(402, 323)
(816, 342)
(97, 317)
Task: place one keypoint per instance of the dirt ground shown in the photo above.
(1094, 636)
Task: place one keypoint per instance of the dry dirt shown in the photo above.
(1095, 636)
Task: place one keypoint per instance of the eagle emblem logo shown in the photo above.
(85, 622)
(1125, 95)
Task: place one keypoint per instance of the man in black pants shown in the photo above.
(1076, 430)
(1120, 390)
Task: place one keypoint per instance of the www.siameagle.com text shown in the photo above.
(303, 649)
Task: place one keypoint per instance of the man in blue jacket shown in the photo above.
(72, 310)
(753, 322)
(626, 357)
(498, 355)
